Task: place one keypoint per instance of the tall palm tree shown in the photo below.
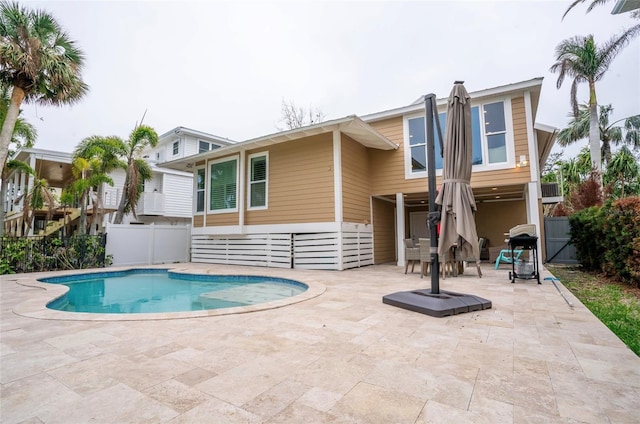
(104, 153)
(578, 128)
(137, 170)
(583, 60)
(39, 61)
(88, 175)
(38, 197)
(24, 135)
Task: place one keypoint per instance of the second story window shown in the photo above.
(176, 147)
(203, 146)
(489, 137)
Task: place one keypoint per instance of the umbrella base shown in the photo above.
(436, 305)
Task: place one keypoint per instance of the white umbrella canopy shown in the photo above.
(457, 225)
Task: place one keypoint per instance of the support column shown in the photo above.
(400, 236)
(337, 192)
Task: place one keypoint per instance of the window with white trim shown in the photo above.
(200, 185)
(258, 170)
(203, 146)
(495, 131)
(176, 147)
(489, 135)
(223, 187)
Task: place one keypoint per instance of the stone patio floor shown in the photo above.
(340, 357)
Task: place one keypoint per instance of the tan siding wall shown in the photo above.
(387, 167)
(221, 219)
(198, 220)
(300, 183)
(383, 232)
(493, 219)
(355, 182)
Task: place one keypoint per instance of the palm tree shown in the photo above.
(38, 61)
(104, 153)
(578, 128)
(38, 197)
(137, 170)
(583, 60)
(623, 170)
(24, 135)
(88, 175)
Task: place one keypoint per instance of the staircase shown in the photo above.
(54, 226)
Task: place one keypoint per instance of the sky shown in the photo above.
(225, 67)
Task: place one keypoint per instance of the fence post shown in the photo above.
(152, 247)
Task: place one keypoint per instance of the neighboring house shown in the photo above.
(168, 195)
(166, 198)
(346, 192)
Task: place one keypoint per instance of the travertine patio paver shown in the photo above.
(340, 357)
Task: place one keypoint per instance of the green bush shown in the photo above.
(607, 238)
(33, 254)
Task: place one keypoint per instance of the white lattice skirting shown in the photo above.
(327, 250)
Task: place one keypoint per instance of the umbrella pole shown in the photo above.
(434, 216)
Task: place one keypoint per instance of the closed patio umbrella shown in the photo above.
(457, 221)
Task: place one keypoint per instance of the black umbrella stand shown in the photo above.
(434, 302)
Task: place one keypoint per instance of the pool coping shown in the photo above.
(36, 306)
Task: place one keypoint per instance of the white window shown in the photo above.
(223, 187)
(176, 147)
(495, 131)
(490, 134)
(200, 184)
(258, 171)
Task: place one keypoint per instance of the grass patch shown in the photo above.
(616, 305)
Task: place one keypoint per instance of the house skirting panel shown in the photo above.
(322, 250)
(270, 250)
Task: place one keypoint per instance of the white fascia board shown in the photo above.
(50, 155)
(544, 127)
(198, 134)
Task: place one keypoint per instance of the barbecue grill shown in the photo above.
(524, 237)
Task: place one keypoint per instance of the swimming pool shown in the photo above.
(144, 291)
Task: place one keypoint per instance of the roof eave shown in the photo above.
(352, 126)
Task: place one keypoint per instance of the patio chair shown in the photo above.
(411, 254)
(505, 256)
(425, 256)
(469, 259)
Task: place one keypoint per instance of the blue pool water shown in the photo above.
(158, 290)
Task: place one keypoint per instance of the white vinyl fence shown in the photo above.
(148, 244)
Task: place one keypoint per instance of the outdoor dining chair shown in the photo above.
(411, 254)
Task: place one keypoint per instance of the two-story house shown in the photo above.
(346, 192)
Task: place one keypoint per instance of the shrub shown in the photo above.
(607, 238)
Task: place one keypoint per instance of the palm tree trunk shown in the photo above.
(594, 133)
(3, 199)
(17, 96)
(123, 199)
(82, 226)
